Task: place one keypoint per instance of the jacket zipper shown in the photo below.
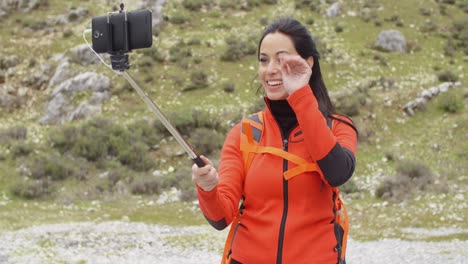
(279, 257)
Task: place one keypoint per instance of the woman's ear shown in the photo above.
(310, 61)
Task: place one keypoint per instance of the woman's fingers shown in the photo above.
(295, 70)
(206, 177)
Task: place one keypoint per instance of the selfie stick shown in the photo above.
(164, 120)
(120, 64)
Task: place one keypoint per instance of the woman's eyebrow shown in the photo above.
(281, 52)
(277, 53)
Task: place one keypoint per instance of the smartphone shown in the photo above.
(112, 33)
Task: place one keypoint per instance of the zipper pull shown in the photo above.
(285, 144)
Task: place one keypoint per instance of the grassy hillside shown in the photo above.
(204, 85)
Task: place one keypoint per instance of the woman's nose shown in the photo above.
(273, 66)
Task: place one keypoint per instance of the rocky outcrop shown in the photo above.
(426, 95)
(62, 108)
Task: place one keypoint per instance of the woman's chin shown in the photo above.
(277, 96)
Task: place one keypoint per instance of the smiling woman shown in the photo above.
(285, 163)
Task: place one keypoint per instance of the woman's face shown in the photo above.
(269, 72)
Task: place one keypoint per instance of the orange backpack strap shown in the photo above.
(252, 131)
(341, 219)
(227, 245)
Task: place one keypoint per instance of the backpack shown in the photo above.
(252, 130)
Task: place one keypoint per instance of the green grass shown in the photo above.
(18, 214)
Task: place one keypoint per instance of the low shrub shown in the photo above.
(49, 166)
(32, 189)
(152, 53)
(181, 179)
(349, 187)
(136, 157)
(450, 103)
(101, 139)
(179, 19)
(460, 34)
(411, 176)
(146, 130)
(199, 79)
(196, 5)
(146, 185)
(206, 140)
(447, 76)
(312, 5)
(238, 48)
(179, 52)
(21, 149)
(229, 87)
(9, 135)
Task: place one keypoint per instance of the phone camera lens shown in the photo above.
(97, 34)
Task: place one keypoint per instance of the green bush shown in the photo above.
(205, 119)
(182, 180)
(450, 103)
(237, 48)
(181, 121)
(349, 187)
(179, 52)
(447, 76)
(179, 19)
(460, 34)
(136, 157)
(100, 139)
(154, 54)
(313, 5)
(32, 189)
(195, 5)
(146, 130)
(206, 140)
(49, 166)
(199, 78)
(146, 185)
(351, 105)
(229, 87)
(410, 177)
(339, 28)
(13, 134)
(21, 149)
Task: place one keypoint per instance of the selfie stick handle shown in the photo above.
(165, 122)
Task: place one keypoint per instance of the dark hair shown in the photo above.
(306, 47)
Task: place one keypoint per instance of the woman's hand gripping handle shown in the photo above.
(206, 177)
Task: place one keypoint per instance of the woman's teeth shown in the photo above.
(274, 83)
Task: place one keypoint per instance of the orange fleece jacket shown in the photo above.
(282, 221)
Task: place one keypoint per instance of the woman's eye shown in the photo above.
(263, 60)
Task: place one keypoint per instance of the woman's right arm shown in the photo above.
(219, 196)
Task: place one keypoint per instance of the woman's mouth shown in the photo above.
(274, 83)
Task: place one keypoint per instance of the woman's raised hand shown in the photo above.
(295, 71)
(206, 177)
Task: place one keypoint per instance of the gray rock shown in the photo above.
(87, 80)
(391, 40)
(83, 111)
(334, 10)
(84, 55)
(62, 73)
(61, 108)
(56, 108)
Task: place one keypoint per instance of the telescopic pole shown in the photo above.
(155, 109)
